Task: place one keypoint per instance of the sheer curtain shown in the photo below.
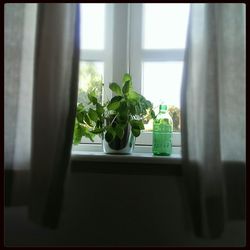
(213, 115)
(19, 44)
(41, 79)
(19, 41)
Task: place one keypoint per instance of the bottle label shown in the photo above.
(163, 128)
(162, 139)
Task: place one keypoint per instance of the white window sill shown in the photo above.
(141, 154)
(145, 158)
(135, 163)
(89, 158)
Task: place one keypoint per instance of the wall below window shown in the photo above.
(117, 209)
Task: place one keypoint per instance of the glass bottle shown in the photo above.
(162, 132)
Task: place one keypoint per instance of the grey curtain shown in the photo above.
(19, 43)
(213, 116)
(54, 102)
(41, 81)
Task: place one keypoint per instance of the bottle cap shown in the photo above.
(163, 107)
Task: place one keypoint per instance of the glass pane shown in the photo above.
(162, 84)
(165, 26)
(92, 26)
(91, 75)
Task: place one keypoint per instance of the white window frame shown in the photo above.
(138, 55)
(123, 52)
(105, 55)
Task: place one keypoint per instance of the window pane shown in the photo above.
(91, 75)
(162, 84)
(92, 26)
(165, 26)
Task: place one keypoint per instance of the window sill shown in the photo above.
(144, 158)
(136, 163)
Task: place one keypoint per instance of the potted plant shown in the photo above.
(118, 121)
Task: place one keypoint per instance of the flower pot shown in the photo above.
(120, 146)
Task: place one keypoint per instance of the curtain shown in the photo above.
(19, 42)
(213, 116)
(18, 62)
(41, 81)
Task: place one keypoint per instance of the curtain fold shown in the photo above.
(18, 60)
(213, 112)
(54, 104)
(19, 43)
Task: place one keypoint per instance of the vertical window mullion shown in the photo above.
(120, 48)
(136, 45)
(108, 52)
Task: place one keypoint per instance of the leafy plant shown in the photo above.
(90, 79)
(126, 108)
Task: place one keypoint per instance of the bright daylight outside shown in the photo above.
(164, 28)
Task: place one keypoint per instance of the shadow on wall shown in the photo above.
(235, 180)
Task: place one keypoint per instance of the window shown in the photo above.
(95, 52)
(146, 40)
(96, 48)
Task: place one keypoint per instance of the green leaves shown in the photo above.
(99, 109)
(79, 117)
(93, 115)
(113, 132)
(92, 98)
(137, 124)
(77, 134)
(87, 122)
(116, 99)
(123, 112)
(126, 108)
(86, 118)
(79, 112)
(79, 108)
(152, 114)
(113, 106)
(97, 130)
(126, 87)
(126, 83)
(114, 103)
(126, 78)
(133, 96)
(87, 133)
(119, 131)
(136, 132)
(110, 134)
(115, 88)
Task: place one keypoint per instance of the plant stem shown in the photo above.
(113, 119)
(85, 124)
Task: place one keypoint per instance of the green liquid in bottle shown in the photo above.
(162, 133)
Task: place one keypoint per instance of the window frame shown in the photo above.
(123, 52)
(105, 55)
(139, 55)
